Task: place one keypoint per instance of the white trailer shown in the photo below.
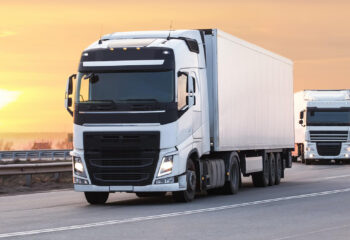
(182, 112)
(322, 124)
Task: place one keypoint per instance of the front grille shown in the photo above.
(328, 136)
(328, 148)
(123, 158)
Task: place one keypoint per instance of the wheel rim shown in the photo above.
(191, 181)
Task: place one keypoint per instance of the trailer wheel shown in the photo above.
(189, 194)
(232, 186)
(279, 169)
(96, 197)
(302, 153)
(150, 194)
(272, 178)
(261, 179)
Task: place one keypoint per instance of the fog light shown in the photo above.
(168, 180)
(80, 181)
(311, 155)
(166, 167)
(346, 155)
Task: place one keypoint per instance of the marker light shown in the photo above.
(165, 52)
(125, 49)
(138, 48)
(166, 167)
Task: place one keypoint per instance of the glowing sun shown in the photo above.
(6, 97)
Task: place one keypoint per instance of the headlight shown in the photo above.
(78, 166)
(348, 149)
(166, 167)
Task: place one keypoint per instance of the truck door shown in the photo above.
(196, 108)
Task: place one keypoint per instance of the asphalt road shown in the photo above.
(312, 202)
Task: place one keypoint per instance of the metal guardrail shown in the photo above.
(9, 167)
(35, 168)
(35, 154)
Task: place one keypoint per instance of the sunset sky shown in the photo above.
(41, 42)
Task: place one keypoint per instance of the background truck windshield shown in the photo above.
(126, 86)
(328, 117)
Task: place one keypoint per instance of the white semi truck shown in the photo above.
(180, 111)
(322, 124)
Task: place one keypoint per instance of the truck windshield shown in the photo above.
(328, 117)
(126, 86)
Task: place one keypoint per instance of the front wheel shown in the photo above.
(96, 197)
(191, 177)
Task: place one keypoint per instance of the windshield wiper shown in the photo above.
(140, 100)
(100, 101)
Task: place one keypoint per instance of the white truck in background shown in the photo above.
(183, 111)
(322, 124)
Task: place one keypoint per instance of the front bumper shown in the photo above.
(149, 188)
(310, 152)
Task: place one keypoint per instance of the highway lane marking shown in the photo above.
(334, 177)
(313, 232)
(168, 215)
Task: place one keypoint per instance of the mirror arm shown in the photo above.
(70, 111)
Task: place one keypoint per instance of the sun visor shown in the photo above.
(127, 59)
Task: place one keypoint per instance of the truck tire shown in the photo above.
(272, 178)
(261, 179)
(294, 159)
(279, 169)
(96, 197)
(232, 186)
(150, 194)
(189, 194)
(302, 156)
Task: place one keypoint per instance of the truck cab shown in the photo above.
(322, 125)
(143, 91)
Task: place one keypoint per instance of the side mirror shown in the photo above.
(190, 101)
(68, 102)
(301, 115)
(190, 85)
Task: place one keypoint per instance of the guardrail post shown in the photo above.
(57, 177)
(28, 180)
